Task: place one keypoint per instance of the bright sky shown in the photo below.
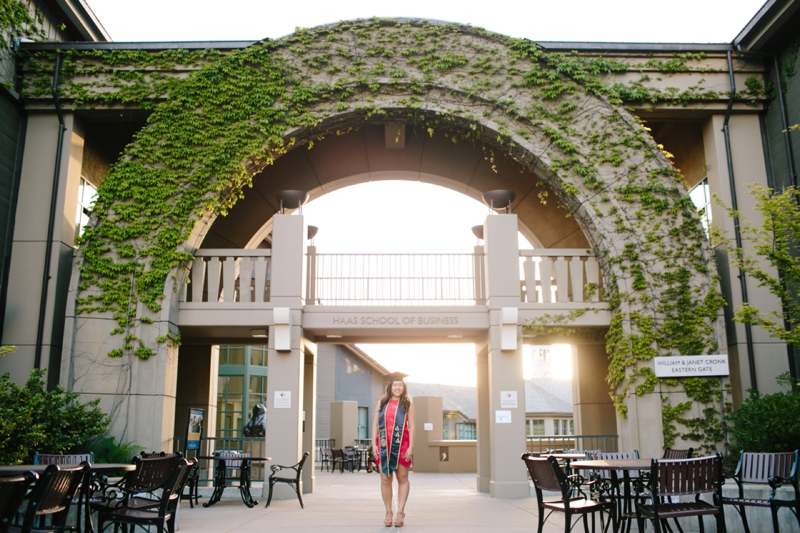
(441, 219)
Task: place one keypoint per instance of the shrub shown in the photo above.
(766, 423)
(33, 419)
(106, 450)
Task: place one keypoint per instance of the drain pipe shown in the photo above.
(48, 255)
(785, 122)
(734, 204)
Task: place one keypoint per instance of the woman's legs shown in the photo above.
(386, 491)
(402, 488)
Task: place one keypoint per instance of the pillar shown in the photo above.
(483, 421)
(309, 419)
(428, 411)
(593, 409)
(506, 387)
(344, 423)
(286, 383)
(29, 246)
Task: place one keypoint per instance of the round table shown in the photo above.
(220, 477)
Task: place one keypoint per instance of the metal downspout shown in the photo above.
(48, 255)
(787, 142)
(738, 235)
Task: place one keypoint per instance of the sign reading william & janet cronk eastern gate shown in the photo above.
(691, 366)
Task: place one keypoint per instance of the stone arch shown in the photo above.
(551, 113)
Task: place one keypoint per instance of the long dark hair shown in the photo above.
(405, 399)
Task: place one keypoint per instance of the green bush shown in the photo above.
(33, 419)
(106, 450)
(766, 423)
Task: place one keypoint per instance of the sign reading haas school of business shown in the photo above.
(685, 366)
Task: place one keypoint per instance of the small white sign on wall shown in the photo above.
(428, 426)
(283, 399)
(508, 399)
(502, 417)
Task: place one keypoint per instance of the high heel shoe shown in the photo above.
(399, 519)
(387, 521)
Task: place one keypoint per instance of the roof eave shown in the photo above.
(765, 24)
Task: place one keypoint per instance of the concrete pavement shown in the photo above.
(351, 502)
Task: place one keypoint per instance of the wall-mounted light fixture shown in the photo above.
(258, 333)
(282, 318)
(334, 335)
(499, 199)
(312, 232)
(508, 328)
(478, 231)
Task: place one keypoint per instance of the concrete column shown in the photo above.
(506, 419)
(593, 409)
(286, 383)
(483, 417)
(428, 411)
(29, 246)
(198, 368)
(344, 423)
(770, 354)
(309, 419)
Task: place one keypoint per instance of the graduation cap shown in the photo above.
(395, 376)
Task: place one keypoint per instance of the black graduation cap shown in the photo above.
(395, 376)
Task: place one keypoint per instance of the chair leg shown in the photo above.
(299, 495)
(269, 498)
(775, 525)
(700, 526)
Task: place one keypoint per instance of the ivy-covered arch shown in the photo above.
(551, 112)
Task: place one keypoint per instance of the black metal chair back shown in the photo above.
(62, 459)
(51, 499)
(293, 482)
(671, 453)
(684, 477)
(160, 516)
(12, 490)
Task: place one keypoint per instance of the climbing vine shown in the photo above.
(218, 118)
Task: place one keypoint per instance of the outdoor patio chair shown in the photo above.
(12, 490)
(62, 459)
(138, 488)
(670, 453)
(293, 482)
(547, 475)
(609, 486)
(49, 502)
(326, 458)
(163, 515)
(773, 469)
(670, 478)
(341, 460)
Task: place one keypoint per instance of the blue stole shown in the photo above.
(390, 450)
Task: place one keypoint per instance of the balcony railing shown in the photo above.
(544, 444)
(559, 276)
(223, 275)
(395, 279)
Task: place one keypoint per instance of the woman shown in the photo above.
(393, 435)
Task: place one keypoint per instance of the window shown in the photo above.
(535, 427)
(701, 198)
(563, 427)
(242, 384)
(467, 431)
(86, 195)
(446, 428)
(363, 415)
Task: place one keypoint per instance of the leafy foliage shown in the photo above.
(771, 259)
(766, 423)
(107, 450)
(33, 419)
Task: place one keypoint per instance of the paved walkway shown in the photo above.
(351, 502)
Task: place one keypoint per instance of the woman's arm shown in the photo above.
(374, 435)
(412, 418)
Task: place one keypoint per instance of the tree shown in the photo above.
(33, 419)
(774, 262)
